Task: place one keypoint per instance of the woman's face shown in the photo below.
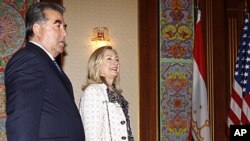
(110, 65)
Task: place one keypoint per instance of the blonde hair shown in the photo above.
(93, 68)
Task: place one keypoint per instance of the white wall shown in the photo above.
(121, 18)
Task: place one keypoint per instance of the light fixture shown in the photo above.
(100, 36)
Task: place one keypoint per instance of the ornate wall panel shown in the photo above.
(175, 81)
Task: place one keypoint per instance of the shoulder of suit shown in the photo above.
(26, 51)
(95, 89)
(97, 86)
(22, 55)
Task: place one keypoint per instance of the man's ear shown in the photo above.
(37, 29)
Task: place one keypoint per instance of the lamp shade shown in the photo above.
(100, 36)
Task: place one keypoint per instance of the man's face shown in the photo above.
(53, 32)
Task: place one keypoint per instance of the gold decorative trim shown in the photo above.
(209, 49)
(233, 45)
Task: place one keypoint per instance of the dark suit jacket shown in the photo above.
(40, 102)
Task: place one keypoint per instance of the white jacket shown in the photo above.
(102, 120)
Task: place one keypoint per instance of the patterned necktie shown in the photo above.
(58, 67)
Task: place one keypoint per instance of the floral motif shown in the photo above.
(176, 81)
(12, 30)
(3, 62)
(176, 15)
(184, 33)
(176, 4)
(169, 32)
(176, 51)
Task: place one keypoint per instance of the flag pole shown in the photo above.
(245, 2)
(245, 8)
(196, 9)
(197, 4)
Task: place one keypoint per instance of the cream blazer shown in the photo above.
(102, 120)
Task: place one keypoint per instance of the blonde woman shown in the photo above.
(103, 109)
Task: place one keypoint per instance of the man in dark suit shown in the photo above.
(40, 101)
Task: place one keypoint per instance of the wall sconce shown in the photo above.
(100, 36)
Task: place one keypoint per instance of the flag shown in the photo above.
(239, 111)
(200, 121)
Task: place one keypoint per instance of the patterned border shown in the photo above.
(176, 46)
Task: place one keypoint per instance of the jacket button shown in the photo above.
(123, 137)
(122, 122)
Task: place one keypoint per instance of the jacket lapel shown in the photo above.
(62, 76)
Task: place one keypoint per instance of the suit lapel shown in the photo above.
(62, 76)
